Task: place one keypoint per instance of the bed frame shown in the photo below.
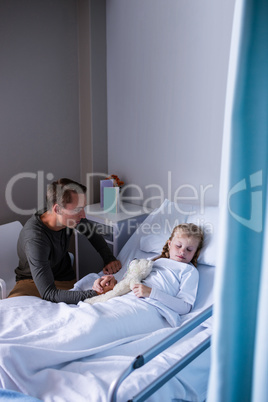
(141, 360)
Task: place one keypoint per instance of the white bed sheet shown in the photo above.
(48, 350)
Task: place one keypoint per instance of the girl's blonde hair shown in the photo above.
(189, 230)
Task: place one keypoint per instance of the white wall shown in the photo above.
(166, 72)
(92, 92)
(167, 66)
(39, 108)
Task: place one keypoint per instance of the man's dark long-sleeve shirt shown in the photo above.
(43, 257)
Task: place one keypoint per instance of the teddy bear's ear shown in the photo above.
(134, 261)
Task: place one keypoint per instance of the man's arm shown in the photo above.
(38, 259)
(58, 295)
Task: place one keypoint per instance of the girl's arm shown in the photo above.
(175, 303)
(183, 301)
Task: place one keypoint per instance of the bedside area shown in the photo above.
(116, 228)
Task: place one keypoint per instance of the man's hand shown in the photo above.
(141, 290)
(104, 284)
(112, 267)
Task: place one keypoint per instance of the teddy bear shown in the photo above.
(138, 270)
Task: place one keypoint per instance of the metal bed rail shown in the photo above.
(140, 360)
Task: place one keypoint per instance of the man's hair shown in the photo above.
(61, 191)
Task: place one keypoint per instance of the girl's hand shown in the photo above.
(108, 282)
(104, 284)
(141, 290)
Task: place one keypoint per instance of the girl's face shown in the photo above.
(182, 248)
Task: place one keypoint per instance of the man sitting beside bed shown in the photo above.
(45, 268)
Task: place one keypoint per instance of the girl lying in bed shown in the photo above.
(171, 287)
(69, 342)
(64, 337)
(184, 246)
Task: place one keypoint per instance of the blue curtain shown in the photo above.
(13, 396)
(239, 368)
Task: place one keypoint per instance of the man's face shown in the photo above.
(73, 212)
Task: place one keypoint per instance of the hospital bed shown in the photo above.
(49, 351)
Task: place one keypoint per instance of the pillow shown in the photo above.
(153, 243)
(208, 221)
(158, 226)
(168, 215)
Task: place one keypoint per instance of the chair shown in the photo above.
(9, 234)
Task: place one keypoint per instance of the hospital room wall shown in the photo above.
(53, 98)
(39, 105)
(167, 65)
(166, 72)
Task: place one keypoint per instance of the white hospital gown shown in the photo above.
(173, 284)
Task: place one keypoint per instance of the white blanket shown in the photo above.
(171, 277)
(60, 352)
